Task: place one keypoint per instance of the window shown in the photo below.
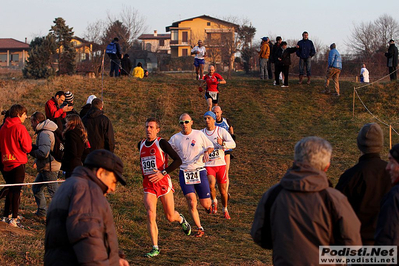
(161, 42)
(208, 23)
(15, 58)
(184, 52)
(148, 46)
(3, 58)
(174, 35)
(185, 36)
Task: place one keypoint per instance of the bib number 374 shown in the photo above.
(192, 177)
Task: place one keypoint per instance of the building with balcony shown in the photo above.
(155, 43)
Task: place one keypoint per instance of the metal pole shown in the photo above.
(390, 137)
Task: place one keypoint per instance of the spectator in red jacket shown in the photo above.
(15, 143)
(56, 109)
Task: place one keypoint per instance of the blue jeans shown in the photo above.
(305, 64)
(114, 68)
(38, 190)
(263, 68)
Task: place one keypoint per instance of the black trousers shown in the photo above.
(16, 175)
(285, 70)
(393, 75)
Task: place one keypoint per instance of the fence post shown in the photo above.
(390, 137)
(353, 106)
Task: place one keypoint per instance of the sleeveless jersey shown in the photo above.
(152, 158)
(223, 124)
(216, 158)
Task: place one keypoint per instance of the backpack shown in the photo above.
(111, 48)
(58, 150)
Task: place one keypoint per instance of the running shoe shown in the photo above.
(185, 225)
(153, 253)
(226, 215)
(284, 86)
(200, 233)
(214, 207)
(5, 219)
(209, 211)
(14, 223)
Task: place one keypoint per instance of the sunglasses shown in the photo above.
(184, 122)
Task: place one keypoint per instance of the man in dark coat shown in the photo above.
(115, 59)
(367, 182)
(126, 65)
(80, 229)
(392, 59)
(99, 128)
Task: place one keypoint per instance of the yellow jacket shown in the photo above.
(138, 72)
(264, 50)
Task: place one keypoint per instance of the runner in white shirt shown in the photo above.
(199, 60)
(364, 74)
(216, 166)
(193, 147)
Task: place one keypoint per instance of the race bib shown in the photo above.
(214, 95)
(192, 177)
(148, 165)
(214, 155)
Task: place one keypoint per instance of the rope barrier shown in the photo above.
(34, 183)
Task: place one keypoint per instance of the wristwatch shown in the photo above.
(164, 172)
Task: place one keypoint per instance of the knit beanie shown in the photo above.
(68, 97)
(370, 138)
(395, 152)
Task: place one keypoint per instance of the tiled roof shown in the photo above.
(9, 43)
(151, 36)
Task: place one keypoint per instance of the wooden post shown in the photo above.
(102, 77)
(390, 137)
(353, 106)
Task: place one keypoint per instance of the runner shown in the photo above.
(216, 166)
(194, 149)
(154, 153)
(212, 80)
(199, 60)
(225, 123)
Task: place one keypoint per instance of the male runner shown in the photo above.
(216, 166)
(225, 123)
(199, 60)
(154, 153)
(194, 149)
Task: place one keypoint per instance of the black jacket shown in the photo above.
(99, 130)
(392, 56)
(84, 110)
(126, 66)
(285, 56)
(74, 150)
(365, 184)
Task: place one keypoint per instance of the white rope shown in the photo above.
(34, 183)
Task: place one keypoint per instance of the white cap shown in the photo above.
(90, 99)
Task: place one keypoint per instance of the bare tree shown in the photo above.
(387, 27)
(94, 31)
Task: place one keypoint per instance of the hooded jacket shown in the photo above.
(99, 130)
(15, 143)
(80, 229)
(45, 141)
(301, 221)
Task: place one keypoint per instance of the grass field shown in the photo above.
(267, 120)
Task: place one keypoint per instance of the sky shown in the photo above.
(326, 21)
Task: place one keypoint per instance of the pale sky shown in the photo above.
(326, 21)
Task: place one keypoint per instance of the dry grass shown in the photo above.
(268, 122)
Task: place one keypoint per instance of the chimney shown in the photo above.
(26, 40)
(155, 33)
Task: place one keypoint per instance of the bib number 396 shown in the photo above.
(192, 178)
(148, 164)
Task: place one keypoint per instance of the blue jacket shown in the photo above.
(306, 49)
(334, 59)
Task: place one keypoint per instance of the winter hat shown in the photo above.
(370, 138)
(69, 97)
(395, 152)
(90, 99)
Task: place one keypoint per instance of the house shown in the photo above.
(216, 35)
(13, 53)
(156, 43)
(84, 49)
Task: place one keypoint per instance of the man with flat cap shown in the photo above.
(80, 228)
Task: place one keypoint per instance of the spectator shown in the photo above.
(283, 62)
(69, 98)
(15, 143)
(138, 71)
(55, 112)
(364, 74)
(305, 53)
(126, 65)
(387, 232)
(264, 57)
(367, 182)
(76, 144)
(99, 127)
(80, 229)
(333, 70)
(392, 59)
(303, 212)
(87, 106)
(273, 56)
(269, 62)
(115, 59)
(46, 165)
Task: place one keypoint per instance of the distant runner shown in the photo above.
(199, 60)
(216, 166)
(193, 148)
(212, 80)
(154, 153)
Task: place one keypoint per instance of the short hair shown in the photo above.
(184, 114)
(59, 93)
(305, 32)
(38, 116)
(97, 103)
(17, 110)
(333, 46)
(278, 38)
(139, 64)
(116, 39)
(314, 151)
(153, 119)
(283, 43)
